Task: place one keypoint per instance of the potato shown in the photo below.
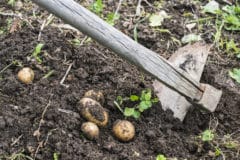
(26, 75)
(93, 111)
(90, 130)
(124, 130)
(96, 95)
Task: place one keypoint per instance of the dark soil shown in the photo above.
(51, 108)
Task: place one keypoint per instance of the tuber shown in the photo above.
(124, 130)
(96, 95)
(26, 75)
(93, 111)
(90, 130)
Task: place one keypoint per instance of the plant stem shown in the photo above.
(118, 106)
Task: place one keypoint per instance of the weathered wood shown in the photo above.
(91, 25)
(190, 58)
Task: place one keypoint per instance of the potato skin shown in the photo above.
(95, 95)
(90, 130)
(93, 111)
(26, 75)
(124, 130)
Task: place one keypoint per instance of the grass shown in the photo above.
(17, 156)
(98, 8)
(219, 145)
(227, 22)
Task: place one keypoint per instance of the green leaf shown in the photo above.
(235, 74)
(136, 114)
(154, 100)
(37, 51)
(97, 6)
(211, 7)
(11, 2)
(119, 100)
(55, 156)
(76, 42)
(191, 38)
(144, 105)
(207, 135)
(232, 46)
(218, 151)
(111, 18)
(146, 95)
(129, 111)
(157, 19)
(134, 98)
(161, 157)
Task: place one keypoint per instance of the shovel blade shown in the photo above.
(190, 59)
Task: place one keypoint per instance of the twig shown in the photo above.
(138, 9)
(37, 132)
(5, 68)
(44, 24)
(83, 40)
(11, 14)
(17, 140)
(64, 77)
(40, 144)
(18, 16)
(118, 7)
(65, 26)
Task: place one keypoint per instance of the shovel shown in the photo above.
(177, 80)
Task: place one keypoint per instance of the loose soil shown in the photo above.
(42, 118)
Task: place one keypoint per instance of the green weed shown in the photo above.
(97, 7)
(161, 157)
(207, 135)
(142, 103)
(18, 156)
(37, 51)
(55, 156)
(112, 18)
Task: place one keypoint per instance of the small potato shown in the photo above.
(96, 95)
(93, 111)
(26, 75)
(90, 130)
(124, 130)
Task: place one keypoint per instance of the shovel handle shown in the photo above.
(147, 60)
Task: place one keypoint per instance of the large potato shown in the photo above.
(124, 130)
(93, 111)
(96, 95)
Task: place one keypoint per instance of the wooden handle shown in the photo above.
(147, 60)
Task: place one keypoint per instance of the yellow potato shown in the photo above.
(26, 75)
(93, 111)
(90, 130)
(124, 130)
(96, 95)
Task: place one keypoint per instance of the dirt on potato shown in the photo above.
(41, 119)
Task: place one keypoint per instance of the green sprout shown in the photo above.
(11, 2)
(161, 157)
(207, 135)
(97, 7)
(143, 103)
(37, 52)
(55, 156)
(112, 18)
(50, 73)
